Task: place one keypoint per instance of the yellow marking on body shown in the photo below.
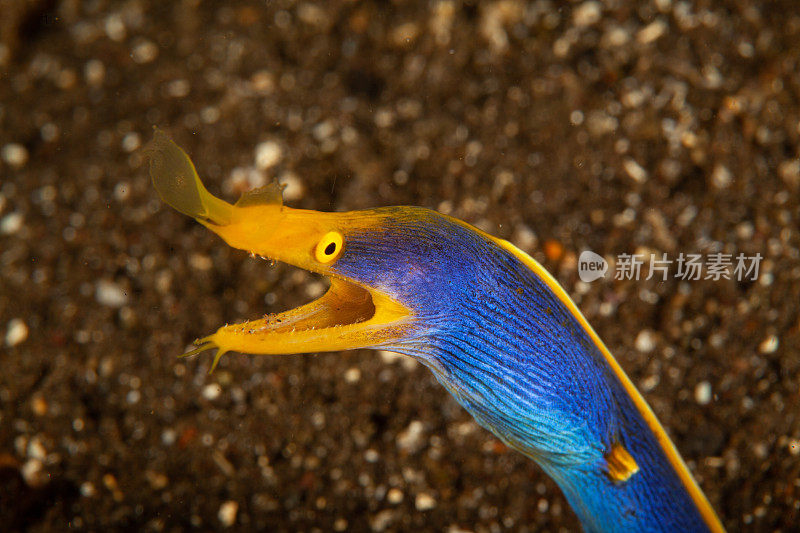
(621, 466)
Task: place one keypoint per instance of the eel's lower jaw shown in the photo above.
(346, 317)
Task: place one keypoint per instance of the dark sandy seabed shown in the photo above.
(657, 126)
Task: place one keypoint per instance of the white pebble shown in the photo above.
(381, 521)
(263, 82)
(561, 47)
(212, 391)
(408, 363)
(318, 419)
(466, 428)
(371, 456)
(244, 178)
(178, 88)
(645, 341)
(349, 135)
(122, 191)
(394, 496)
(15, 154)
(702, 393)
(390, 357)
(324, 130)
(794, 447)
(721, 177)
(94, 71)
(133, 397)
(11, 223)
(745, 230)
(17, 332)
(649, 383)
(110, 294)
(144, 52)
(227, 513)
(789, 171)
(635, 170)
(87, 489)
(663, 5)
(115, 27)
(131, 141)
(315, 289)
(769, 345)
(424, 502)
(168, 437)
(31, 472)
(210, 114)
(411, 438)
(542, 505)
(200, 262)
(384, 118)
(293, 188)
(651, 32)
(352, 375)
(268, 154)
(587, 13)
(49, 132)
(616, 36)
(36, 449)
(524, 237)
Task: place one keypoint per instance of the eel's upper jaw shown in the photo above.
(350, 315)
(347, 316)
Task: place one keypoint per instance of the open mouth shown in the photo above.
(347, 316)
(343, 304)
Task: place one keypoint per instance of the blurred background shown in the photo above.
(615, 126)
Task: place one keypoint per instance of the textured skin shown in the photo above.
(516, 358)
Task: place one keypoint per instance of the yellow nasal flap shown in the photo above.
(178, 184)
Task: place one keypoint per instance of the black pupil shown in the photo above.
(330, 248)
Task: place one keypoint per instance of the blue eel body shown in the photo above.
(520, 361)
(495, 328)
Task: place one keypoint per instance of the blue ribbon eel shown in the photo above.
(494, 327)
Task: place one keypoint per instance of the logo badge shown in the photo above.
(591, 266)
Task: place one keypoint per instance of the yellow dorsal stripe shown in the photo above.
(707, 512)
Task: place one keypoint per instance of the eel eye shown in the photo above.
(329, 247)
